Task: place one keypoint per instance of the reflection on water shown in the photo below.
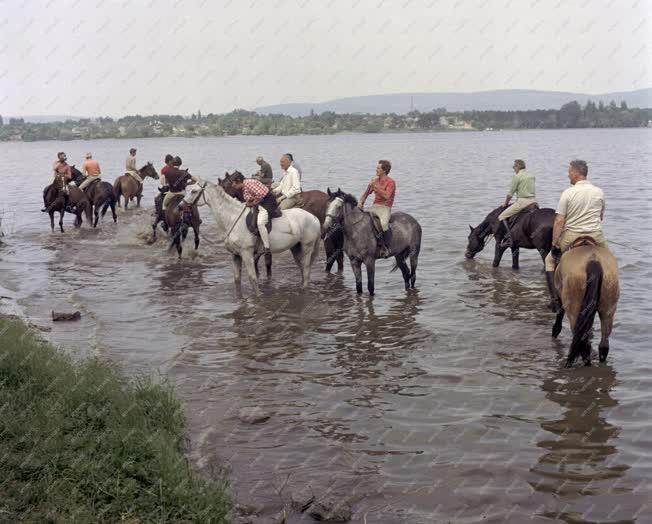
(577, 459)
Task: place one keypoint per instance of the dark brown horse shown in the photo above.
(529, 229)
(316, 203)
(100, 195)
(179, 217)
(76, 202)
(128, 187)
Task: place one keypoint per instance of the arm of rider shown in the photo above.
(557, 228)
(370, 188)
(507, 199)
(251, 202)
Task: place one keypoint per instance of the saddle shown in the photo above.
(582, 241)
(511, 221)
(136, 177)
(252, 220)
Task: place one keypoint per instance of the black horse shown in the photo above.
(100, 194)
(530, 229)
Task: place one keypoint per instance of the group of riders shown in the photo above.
(579, 213)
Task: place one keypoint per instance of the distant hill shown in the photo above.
(42, 119)
(502, 100)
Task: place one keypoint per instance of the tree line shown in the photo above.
(242, 122)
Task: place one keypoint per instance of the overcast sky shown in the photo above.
(102, 57)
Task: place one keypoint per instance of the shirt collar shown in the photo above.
(582, 182)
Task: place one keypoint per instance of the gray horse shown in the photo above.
(360, 238)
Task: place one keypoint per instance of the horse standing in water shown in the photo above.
(55, 200)
(296, 230)
(529, 230)
(128, 187)
(360, 239)
(99, 193)
(316, 203)
(587, 282)
(179, 217)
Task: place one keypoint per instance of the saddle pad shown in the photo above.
(582, 241)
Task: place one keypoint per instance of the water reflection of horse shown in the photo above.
(578, 446)
(530, 230)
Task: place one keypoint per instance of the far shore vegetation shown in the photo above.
(81, 443)
(241, 122)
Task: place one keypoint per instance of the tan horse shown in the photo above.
(587, 282)
(128, 187)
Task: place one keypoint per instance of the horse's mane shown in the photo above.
(348, 198)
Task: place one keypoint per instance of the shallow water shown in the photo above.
(449, 403)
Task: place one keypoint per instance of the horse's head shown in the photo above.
(227, 184)
(476, 240)
(195, 193)
(335, 209)
(148, 170)
(77, 175)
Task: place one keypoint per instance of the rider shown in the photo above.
(265, 174)
(177, 180)
(523, 189)
(91, 168)
(295, 165)
(288, 191)
(60, 168)
(130, 168)
(579, 214)
(163, 188)
(385, 189)
(256, 193)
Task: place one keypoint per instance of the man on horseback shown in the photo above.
(130, 166)
(163, 189)
(90, 168)
(265, 174)
(63, 172)
(257, 194)
(523, 189)
(579, 214)
(385, 189)
(177, 180)
(288, 191)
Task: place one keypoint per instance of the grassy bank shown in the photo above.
(79, 443)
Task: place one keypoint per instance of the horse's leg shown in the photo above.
(371, 274)
(356, 265)
(297, 253)
(61, 213)
(330, 254)
(256, 259)
(96, 211)
(237, 272)
(78, 220)
(543, 254)
(400, 262)
(498, 252)
(115, 215)
(195, 230)
(138, 197)
(340, 260)
(307, 262)
(52, 220)
(515, 252)
(606, 324)
(248, 260)
(556, 328)
(414, 260)
(154, 230)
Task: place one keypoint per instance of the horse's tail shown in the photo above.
(584, 322)
(117, 190)
(315, 251)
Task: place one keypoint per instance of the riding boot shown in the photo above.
(507, 239)
(555, 302)
(386, 240)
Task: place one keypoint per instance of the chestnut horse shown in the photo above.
(128, 187)
(316, 203)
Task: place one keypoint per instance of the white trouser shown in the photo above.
(383, 213)
(263, 217)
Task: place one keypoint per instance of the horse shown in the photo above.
(360, 239)
(100, 195)
(296, 230)
(54, 200)
(587, 282)
(128, 187)
(315, 202)
(179, 217)
(530, 230)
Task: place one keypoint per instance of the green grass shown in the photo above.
(80, 443)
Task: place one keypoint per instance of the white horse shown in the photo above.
(296, 230)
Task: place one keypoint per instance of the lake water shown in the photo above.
(449, 403)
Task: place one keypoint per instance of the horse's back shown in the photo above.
(300, 221)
